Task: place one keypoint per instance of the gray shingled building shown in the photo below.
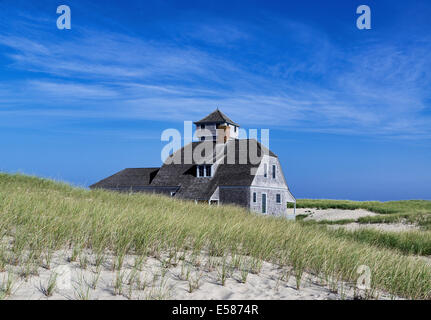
(217, 169)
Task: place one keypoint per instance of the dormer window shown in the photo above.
(204, 171)
(208, 171)
(201, 171)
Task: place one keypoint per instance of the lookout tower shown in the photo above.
(216, 127)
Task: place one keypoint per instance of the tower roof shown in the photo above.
(216, 117)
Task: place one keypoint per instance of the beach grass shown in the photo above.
(411, 211)
(417, 212)
(39, 217)
(407, 242)
(389, 207)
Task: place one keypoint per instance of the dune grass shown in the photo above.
(389, 207)
(421, 219)
(412, 211)
(38, 217)
(408, 242)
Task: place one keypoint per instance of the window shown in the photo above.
(235, 129)
(202, 126)
(208, 171)
(204, 171)
(254, 197)
(278, 198)
(202, 138)
(265, 170)
(273, 171)
(201, 171)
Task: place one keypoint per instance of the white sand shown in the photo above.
(333, 214)
(390, 227)
(339, 214)
(171, 283)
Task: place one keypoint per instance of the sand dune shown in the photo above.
(333, 214)
(201, 279)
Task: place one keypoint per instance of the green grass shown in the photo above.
(412, 211)
(421, 219)
(325, 222)
(390, 207)
(41, 216)
(410, 242)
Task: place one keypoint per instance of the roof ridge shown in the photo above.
(217, 116)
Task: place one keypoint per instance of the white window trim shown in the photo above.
(281, 200)
(205, 171)
(266, 203)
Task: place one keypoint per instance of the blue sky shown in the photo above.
(349, 111)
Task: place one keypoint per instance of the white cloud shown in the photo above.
(382, 91)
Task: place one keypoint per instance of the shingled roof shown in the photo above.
(216, 117)
(181, 178)
(128, 178)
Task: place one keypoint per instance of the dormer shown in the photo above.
(216, 127)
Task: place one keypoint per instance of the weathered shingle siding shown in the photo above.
(272, 207)
(269, 181)
(271, 186)
(234, 195)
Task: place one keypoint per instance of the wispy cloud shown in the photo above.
(315, 86)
